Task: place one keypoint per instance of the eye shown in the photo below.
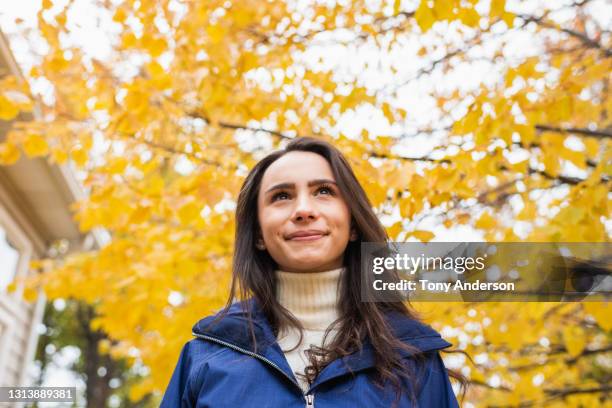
(327, 188)
(279, 194)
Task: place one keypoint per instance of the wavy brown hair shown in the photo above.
(254, 276)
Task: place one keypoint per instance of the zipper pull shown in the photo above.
(310, 401)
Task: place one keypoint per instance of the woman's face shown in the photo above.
(298, 196)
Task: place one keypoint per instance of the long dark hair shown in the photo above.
(254, 274)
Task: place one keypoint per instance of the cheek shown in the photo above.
(270, 223)
(343, 218)
(264, 221)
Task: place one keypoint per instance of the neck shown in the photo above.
(311, 297)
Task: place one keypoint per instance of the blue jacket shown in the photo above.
(219, 369)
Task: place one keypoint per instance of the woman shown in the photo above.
(302, 335)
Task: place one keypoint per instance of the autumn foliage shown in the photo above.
(194, 92)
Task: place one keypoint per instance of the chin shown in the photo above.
(311, 264)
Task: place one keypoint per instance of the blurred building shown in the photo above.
(34, 217)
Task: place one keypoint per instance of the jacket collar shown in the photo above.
(233, 328)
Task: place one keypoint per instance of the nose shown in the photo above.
(304, 209)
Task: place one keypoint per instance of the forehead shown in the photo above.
(295, 167)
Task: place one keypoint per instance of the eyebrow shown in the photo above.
(292, 185)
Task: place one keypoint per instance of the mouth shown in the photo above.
(307, 235)
(308, 238)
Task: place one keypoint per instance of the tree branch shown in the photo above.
(582, 37)
(561, 350)
(485, 385)
(601, 134)
(588, 352)
(573, 391)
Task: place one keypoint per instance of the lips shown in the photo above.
(306, 235)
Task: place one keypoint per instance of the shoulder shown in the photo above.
(195, 352)
(193, 358)
(188, 374)
(239, 325)
(432, 379)
(434, 387)
(415, 333)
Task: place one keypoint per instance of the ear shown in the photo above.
(353, 235)
(259, 244)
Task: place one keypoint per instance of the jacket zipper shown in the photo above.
(308, 397)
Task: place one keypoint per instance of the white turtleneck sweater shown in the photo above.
(312, 298)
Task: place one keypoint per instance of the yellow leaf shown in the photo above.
(601, 312)
(527, 133)
(424, 16)
(35, 72)
(11, 287)
(397, 6)
(440, 198)
(469, 122)
(8, 110)
(155, 185)
(529, 211)
(30, 294)
(9, 153)
(215, 32)
(400, 177)
(521, 167)
(140, 215)
(58, 155)
(249, 60)
(573, 214)
(508, 18)
(486, 221)
(57, 63)
(128, 40)
(469, 17)
(592, 146)
(574, 339)
(155, 46)
(242, 17)
(386, 108)
(443, 10)
(136, 100)
(79, 155)
(551, 162)
(188, 212)
(577, 158)
(446, 179)
(421, 235)
(104, 346)
(117, 165)
(120, 15)
(497, 7)
(155, 69)
(394, 230)
(35, 145)
(462, 218)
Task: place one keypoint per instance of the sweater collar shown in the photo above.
(233, 329)
(312, 297)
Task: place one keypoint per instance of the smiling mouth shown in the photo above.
(313, 237)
